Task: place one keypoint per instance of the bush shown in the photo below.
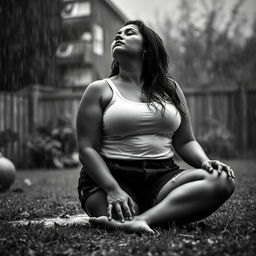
(217, 140)
(54, 145)
(8, 136)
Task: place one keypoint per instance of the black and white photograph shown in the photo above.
(127, 127)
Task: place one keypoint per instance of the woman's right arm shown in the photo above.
(89, 134)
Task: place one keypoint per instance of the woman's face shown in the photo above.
(127, 40)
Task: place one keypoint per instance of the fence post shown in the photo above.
(33, 108)
(244, 120)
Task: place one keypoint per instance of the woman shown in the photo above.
(126, 125)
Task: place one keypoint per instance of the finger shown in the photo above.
(119, 212)
(127, 210)
(131, 205)
(229, 171)
(217, 165)
(232, 173)
(207, 166)
(210, 169)
(110, 206)
(219, 168)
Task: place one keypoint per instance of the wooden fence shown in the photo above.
(14, 115)
(23, 111)
(232, 107)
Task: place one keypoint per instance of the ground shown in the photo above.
(229, 231)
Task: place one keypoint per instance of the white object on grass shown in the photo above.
(78, 219)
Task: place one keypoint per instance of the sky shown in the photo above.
(147, 9)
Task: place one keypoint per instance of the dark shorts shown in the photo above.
(140, 179)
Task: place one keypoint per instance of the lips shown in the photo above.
(118, 43)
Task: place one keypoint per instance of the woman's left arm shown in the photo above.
(187, 147)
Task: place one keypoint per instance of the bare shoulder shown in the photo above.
(98, 91)
(97, 87)
(95, 90)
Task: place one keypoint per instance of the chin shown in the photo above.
(117, 52)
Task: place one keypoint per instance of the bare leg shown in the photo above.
(132, 226)
(195, 195)
(96, 206)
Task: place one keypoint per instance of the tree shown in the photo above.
(202, 54)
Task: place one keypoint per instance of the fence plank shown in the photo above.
(229, 106)
(2, 120)
(14, 126)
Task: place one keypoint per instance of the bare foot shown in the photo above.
(131, 226)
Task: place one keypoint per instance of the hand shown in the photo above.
(209, 165)
(122, 203)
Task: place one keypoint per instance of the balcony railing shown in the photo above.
(76, 9)
(74, 52)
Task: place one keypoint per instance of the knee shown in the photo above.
(222, 185)
(96, 205)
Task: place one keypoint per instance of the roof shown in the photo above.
(111, 5)
(117, 10)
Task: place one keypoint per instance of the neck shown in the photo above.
(131, 71)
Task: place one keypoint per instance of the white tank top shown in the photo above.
(132, 130)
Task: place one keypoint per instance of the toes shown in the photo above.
(144, 227)
(144, 230)
(150, 231)
(156, 232)
(97, 221)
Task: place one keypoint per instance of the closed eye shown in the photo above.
(128, 31)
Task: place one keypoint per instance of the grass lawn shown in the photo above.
(229, 231)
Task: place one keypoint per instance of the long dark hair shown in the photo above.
(158, 84)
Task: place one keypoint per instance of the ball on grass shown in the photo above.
(7, 173)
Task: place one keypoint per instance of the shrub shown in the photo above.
(217, 140)
(8, 136)
(54, 145)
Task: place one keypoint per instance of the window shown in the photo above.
(86, 36)
(72, 49)
(76, 9)
(64, 50)
(98, 43)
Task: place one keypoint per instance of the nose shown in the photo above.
(118, 37)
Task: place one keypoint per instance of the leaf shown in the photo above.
(210, 241)
(31, 252)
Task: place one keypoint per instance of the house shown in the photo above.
(87, 29)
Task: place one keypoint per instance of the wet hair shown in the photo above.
(158, 84)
